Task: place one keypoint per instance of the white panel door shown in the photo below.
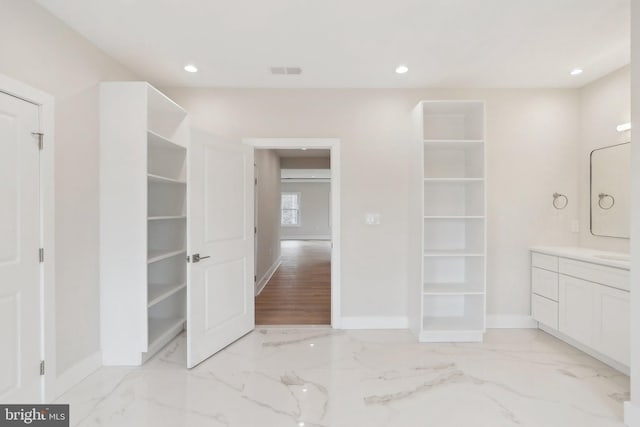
(220, 294)
(19, 242)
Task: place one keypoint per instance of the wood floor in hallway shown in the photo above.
(299, 293)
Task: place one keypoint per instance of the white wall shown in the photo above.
(604, 104)
(314, 211)
(532, 147)
(41, 51)
(267, 211)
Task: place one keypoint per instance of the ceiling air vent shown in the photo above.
(286, 71)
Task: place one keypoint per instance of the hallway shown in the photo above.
(299, 293)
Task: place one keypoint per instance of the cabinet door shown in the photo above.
(612, 323)
(576, 309)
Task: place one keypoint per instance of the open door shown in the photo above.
(220, 294)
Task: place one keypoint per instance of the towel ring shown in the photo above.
(602, 197)
(560, 205)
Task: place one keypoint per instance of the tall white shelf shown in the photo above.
(143, 221)
(452, 274)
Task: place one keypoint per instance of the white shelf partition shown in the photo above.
(143, 156)
(453, 228)
(158, 293)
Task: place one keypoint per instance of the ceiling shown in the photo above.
(358, 43)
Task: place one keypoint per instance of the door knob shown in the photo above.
(198, 258)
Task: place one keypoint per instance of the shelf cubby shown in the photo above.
(164, 316)
(166, 198)
(165, 276)
(454, 197)
(453, 274)
(166, 237)
(166, 160)
(455, 159)
(460, 235)
(453, 312)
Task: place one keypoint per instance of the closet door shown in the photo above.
(220, 300)
(20, 329)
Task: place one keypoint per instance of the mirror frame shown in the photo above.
(591, 191)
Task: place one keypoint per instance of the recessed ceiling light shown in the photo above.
(576, 71)
(303, 149)
(401, 69)
(191, 68)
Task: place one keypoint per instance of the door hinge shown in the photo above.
(42, 367)
(255, 278)
(41, 255)
(40, 139)
(255, 181)
(255, 230)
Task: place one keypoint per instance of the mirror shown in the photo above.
(610, 191)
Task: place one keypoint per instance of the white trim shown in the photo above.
(631, 414)
(77, 373)
(307, 237)
(333, 144)
(260, 284)
(47, 229)
(374, 322)
(510, 321)
(304, 180)
(591, 352)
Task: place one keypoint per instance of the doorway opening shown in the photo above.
(296, 233)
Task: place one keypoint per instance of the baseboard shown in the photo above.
(510, 321)
(591, 352)
(306, 237)
(77, 373)
(631, 415)
(260, 284)
(374, 322)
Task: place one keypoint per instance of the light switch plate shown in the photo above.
(372, 219)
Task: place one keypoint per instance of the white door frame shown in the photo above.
(45, 102)
(332, 144)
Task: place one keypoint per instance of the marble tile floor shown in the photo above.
(321, 377)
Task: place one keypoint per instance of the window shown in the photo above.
(290, 210)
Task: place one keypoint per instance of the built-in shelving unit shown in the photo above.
(144, 138)
(453, 229)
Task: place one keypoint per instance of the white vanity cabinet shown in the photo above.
(582, 297)
(576, 312)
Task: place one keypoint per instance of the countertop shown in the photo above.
(594, 256)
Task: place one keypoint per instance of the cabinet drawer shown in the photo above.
(603, 274)
(544, 283)
(544, 311)
(547, 262)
